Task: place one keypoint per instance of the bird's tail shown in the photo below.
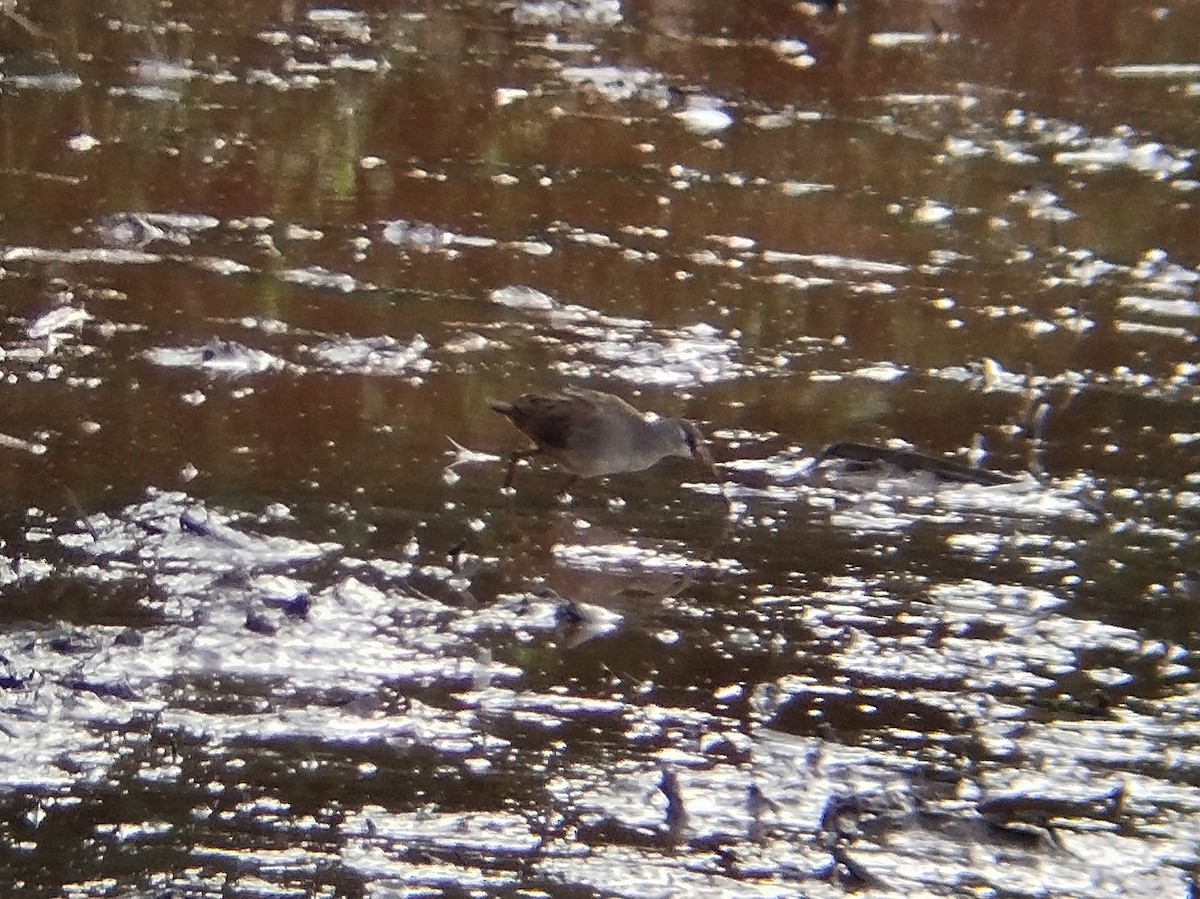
(505, 409)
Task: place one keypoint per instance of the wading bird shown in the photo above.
(590, 433)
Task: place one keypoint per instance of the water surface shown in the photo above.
(269, 626)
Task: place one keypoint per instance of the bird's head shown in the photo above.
(693, 444)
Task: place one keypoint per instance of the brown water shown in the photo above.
(269, 627)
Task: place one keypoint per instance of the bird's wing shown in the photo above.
(554, 422)
(596, 403)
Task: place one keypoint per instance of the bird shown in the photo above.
(591, 433)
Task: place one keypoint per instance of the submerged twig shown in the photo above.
(911, 461)
(9, 9)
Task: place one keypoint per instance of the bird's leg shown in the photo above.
(512, 469)
(567, 486)
(512, 464)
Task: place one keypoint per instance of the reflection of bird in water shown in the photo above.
(590, 433)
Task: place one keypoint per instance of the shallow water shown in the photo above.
(269, 626)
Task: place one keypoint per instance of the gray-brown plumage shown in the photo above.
(590, 433)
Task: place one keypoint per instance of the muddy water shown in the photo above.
(269, 626)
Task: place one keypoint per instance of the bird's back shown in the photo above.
(552, 421)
